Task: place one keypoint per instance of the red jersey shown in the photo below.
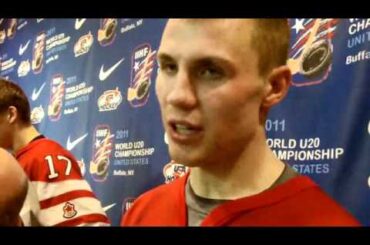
(65, 198)
(297, 202)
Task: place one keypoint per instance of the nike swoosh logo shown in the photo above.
(79, 23)
(36, 94)
(106, 208)
(71, 145)
(105, 74)
(22, 49)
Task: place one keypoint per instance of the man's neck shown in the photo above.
(23, 136)
(254, 171)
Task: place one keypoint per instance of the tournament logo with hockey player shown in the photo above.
(56, 97)
(83, 44)
(311, 52)
(173, 171)
(107, 31)
(38, 53)
(110, 100)
(12, 28)
(69, 210)
(37, 114)
(102, 148)
(142, 67)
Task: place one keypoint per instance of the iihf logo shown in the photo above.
(142, 67)
(56, 97)
(102, 148)
(12, 28)
(38, 53)
(311, 53)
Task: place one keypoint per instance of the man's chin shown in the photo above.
(188, 155)
(187, 159)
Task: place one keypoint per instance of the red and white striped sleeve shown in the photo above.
(65, 197)
(69, 203)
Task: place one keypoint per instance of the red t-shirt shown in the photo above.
(297, 202)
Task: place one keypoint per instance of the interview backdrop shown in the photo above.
(91, 83)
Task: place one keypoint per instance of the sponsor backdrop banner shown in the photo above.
(91, 87)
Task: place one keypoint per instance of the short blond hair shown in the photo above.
(271, 39)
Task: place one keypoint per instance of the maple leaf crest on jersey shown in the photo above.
(69, 210)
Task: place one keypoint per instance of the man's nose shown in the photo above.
(183, 94)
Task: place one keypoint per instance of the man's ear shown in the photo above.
(277, 86)
(12, 114)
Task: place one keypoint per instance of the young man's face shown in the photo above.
(209, 90)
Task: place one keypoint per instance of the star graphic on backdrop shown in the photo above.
(298, 25)
(136, 66)
(97, 143)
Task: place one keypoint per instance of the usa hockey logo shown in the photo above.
(56, 97)
(173, 171)
(69, 210)
(38, 53)
(127, 203)
(110, 100)
(142, 67)
(311, 52)
(102, 148)
(107, 31)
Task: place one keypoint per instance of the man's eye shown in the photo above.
(168, 68)
(211, 73)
